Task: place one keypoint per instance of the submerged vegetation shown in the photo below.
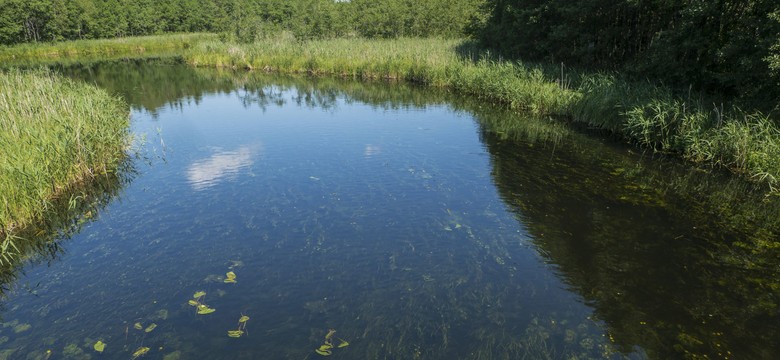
(439, 311)
(57, 134)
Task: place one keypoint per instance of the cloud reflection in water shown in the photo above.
(372, 150)
(222, 165)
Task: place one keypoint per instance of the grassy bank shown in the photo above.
(85, 50)
(650, 116)
(654, 117)
(57, 133)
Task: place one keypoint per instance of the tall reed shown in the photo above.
(55, 134)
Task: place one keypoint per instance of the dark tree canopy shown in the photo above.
(725, 46)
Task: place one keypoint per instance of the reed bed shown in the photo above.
(40, 53)
(57, 133)
(430, 61)
(651, 116)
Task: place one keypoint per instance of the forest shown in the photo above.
(728, 48)
(56, 20)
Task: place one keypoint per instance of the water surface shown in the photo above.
(405, 219)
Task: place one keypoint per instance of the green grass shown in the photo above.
(432, 61)
(57, 133)
(650, 116)
(94, 50)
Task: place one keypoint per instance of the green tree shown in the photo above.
(11, 28)
(718, 46)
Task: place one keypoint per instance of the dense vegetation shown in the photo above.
(84, 51)
(56, 20)
(728, 48)
(56, 133)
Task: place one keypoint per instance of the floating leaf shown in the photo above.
(150, 327)
(343, 343)
(243, 319)
(203, 310)
(199, 294)
(326, 346)
(138, 326)
(193, 302)
(140, 352)
(230, 277)
(235, 333)
(99, 346)
(330, 334)
(323, 352)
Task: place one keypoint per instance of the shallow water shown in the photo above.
(398, 217)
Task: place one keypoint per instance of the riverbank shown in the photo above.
(650, 116)
(33, 54)
(57, 134)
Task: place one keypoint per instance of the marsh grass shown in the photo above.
(57, 133)
(94, 50)
(432, 61)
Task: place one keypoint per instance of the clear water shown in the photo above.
(394, 216)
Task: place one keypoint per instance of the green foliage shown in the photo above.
(720, 47)
(244, 20)
(56, 133)
(95, 50)
(774, 58)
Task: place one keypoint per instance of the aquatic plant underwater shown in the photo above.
(448, 304)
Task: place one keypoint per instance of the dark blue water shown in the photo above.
(387, 214)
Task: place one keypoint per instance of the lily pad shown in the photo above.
(151, 327)
(199, 294)
(230, 277)
(138, 326)
(323, 352)
(193, 302)
(343, 343)
(204, 309)
(243, 319)
(140, 352)
(99, 346)
(235, 333)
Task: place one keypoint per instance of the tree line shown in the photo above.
(55, 20)
(725, 47)
(728, 47)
